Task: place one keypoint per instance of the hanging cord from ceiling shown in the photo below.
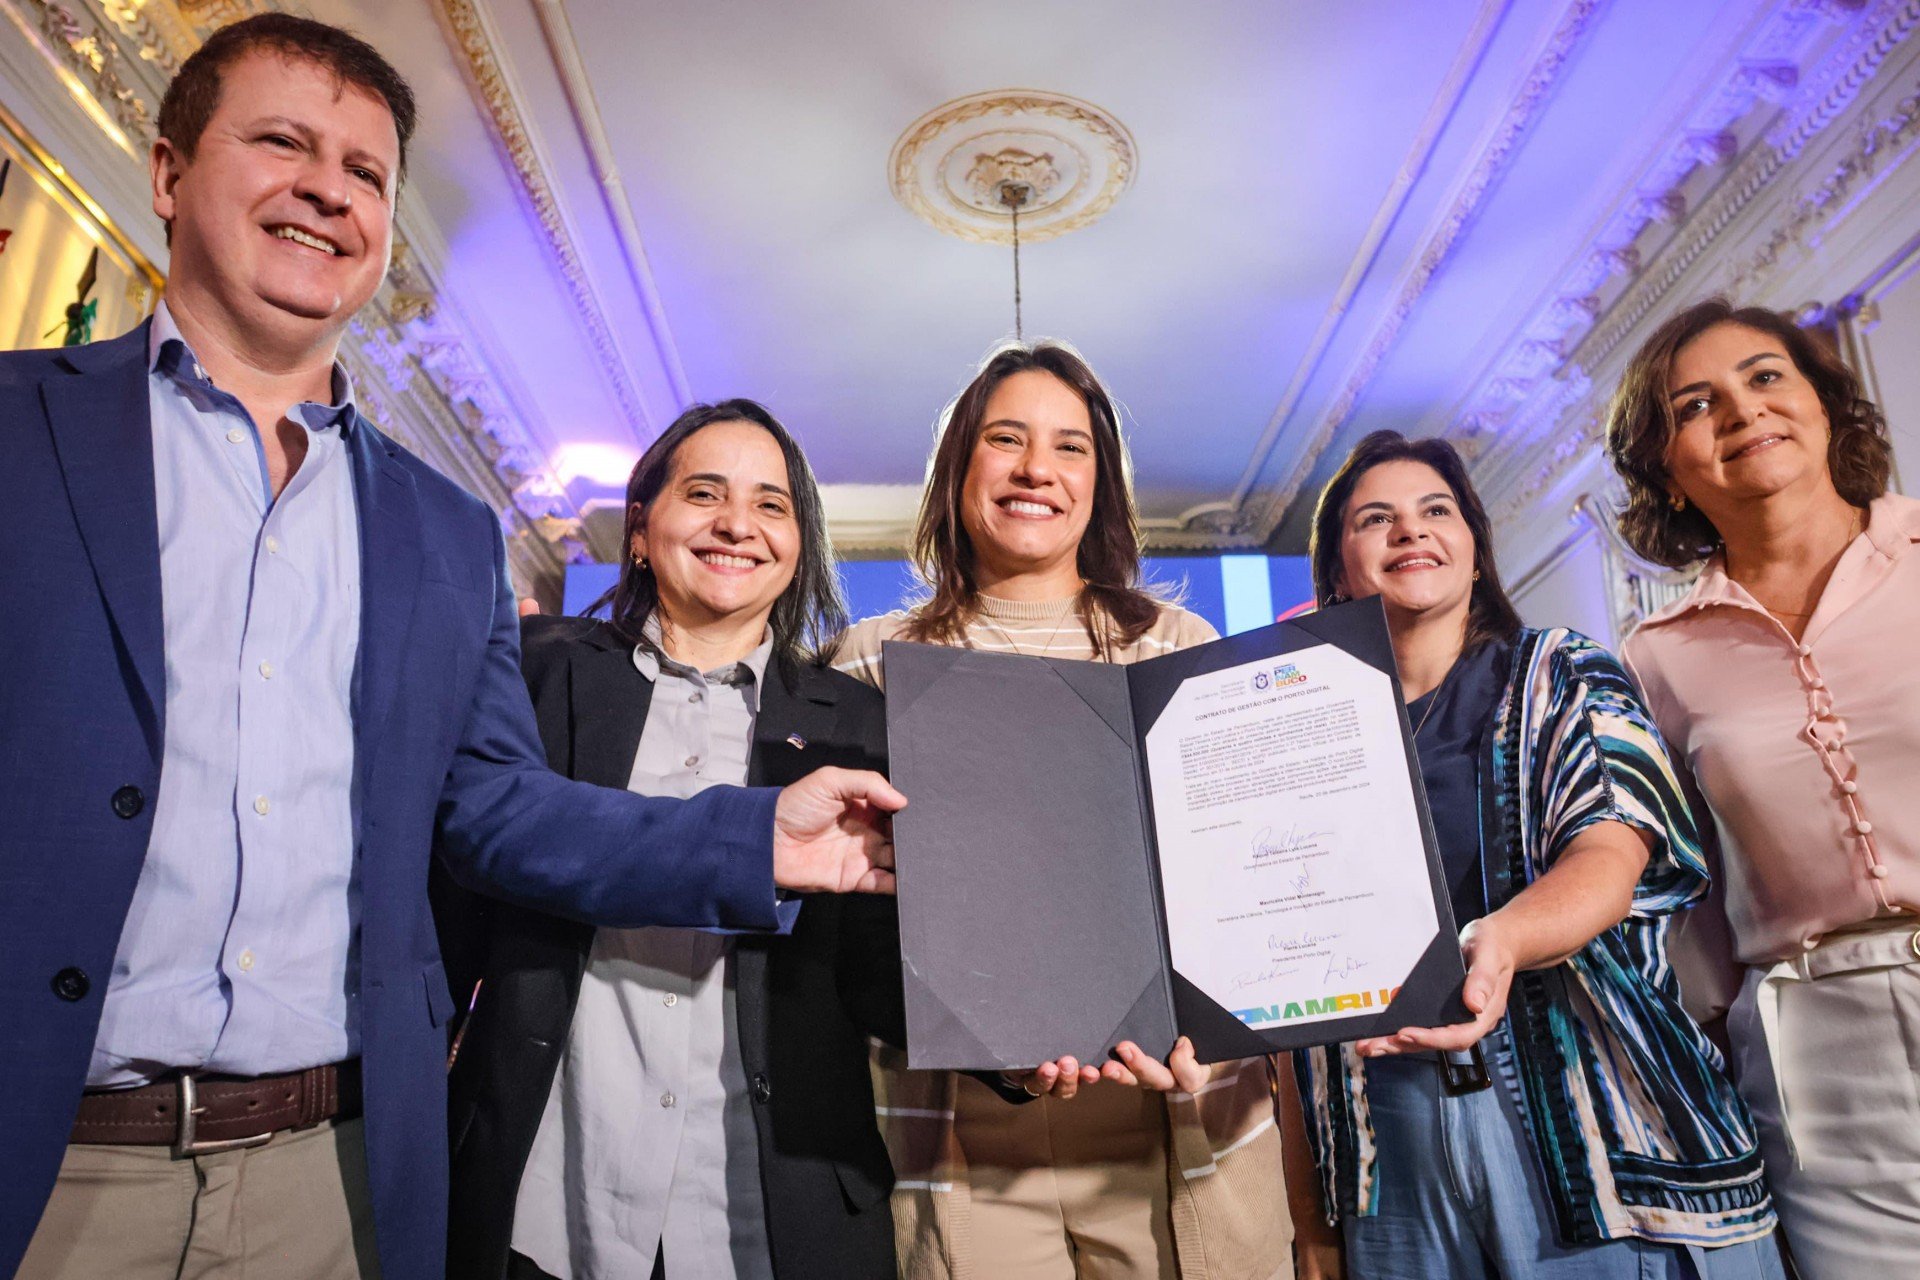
(1014, 195)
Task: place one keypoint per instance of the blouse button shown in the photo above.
(1850, 787)
(1878, 871)
(1805, 650)
(1816, 683)
(1863, 828)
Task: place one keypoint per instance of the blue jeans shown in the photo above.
(1462, 1198)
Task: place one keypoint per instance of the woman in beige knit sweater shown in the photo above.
(1028, 539)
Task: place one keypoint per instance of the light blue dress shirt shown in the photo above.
(239, 950)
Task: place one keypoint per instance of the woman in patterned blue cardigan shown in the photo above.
(1581, 1125)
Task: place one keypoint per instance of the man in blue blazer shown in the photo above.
(260, 661)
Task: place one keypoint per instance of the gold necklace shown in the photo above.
(1045, 648)
(1855, 527)
(1433, 698)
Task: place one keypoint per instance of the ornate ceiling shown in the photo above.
(1328, 216)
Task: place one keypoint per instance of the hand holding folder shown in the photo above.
(1230, 842)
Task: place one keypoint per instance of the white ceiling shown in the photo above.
(750, 142)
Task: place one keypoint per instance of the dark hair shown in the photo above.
(194, 94)
(1113, 603)
(1490, 615)
(808, 614)
(1640, 429)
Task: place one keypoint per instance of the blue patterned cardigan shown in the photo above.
(1630, 1114)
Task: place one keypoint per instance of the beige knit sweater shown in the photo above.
(1227, 1189)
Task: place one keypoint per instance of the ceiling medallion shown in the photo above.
(953, 166)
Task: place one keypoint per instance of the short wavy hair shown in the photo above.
(194, 93)
(1640, 429)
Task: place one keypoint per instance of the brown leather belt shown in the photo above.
(200, 1114)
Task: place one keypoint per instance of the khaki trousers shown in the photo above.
(1072, 1190)
(294, 1208)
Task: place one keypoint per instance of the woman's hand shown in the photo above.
(1490, 965)
(1060, 1078)
(1587, 890)
(1319, 1259)
(1134, 1068)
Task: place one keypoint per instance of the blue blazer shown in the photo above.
(446, 754)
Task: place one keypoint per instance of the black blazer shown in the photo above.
(806, 1002)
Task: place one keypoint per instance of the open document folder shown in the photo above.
(1230, 842)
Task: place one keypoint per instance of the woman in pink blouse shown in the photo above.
(1784, 682)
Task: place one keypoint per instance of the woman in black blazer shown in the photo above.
(726, 549)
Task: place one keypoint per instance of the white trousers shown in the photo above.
(1826, 1051)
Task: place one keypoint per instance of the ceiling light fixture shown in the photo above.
(1012, 166)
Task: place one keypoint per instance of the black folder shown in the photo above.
(1031, 918)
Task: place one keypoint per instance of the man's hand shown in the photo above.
(832, 833)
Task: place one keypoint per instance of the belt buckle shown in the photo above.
(1913, 944)
(186, 1144)
(1458, 1079)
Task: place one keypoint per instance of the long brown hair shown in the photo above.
(807, 614)
(1640, 429)
(1490, 614)
(1114, 605)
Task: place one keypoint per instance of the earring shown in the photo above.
(1476, 575)
(640, 562)
(1334, 599)
(1678, 501)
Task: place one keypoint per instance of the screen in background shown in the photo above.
(1234, 593)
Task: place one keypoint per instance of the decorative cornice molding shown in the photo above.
(1785, 141)
(415, 364)
(613, 192)
(1200, 539)
(90, 58)
(1576, 427)
(1875, 140)
(1641, 223)
(162, 36)
(487, 76)
(1502, 143)
(1225, 515)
